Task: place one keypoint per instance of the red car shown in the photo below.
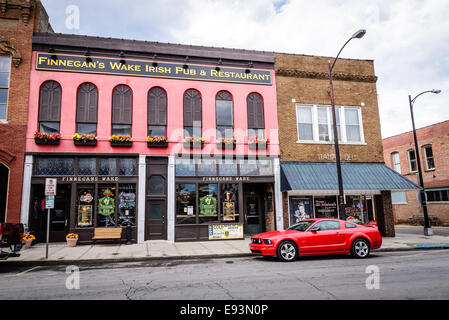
(317, 237)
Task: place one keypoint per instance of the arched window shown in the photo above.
(50, 107)
(86, 109)
(256, 121)
(192, 114)
(157, 113)
(224, 115)
(122, 101)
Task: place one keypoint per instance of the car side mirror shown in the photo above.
(315, 229)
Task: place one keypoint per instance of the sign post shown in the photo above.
(50, 193)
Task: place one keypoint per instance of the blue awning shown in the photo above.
(322, 176)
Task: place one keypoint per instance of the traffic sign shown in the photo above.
(50, 186)
(49, 202)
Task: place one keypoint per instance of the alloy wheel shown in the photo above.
(288, 251)
(361, 249)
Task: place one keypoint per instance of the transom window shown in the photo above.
(5, 68)
(315, 124)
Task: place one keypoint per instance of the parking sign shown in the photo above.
(50, 186)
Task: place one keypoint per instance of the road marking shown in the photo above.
(20, 273)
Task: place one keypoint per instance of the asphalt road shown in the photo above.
(390, 275)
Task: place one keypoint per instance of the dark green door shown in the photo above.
(253, 213)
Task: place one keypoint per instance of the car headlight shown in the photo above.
(267, 241)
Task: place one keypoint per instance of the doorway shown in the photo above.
(4, 178)
(253, 207)
(59, 216)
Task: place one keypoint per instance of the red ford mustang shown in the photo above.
(317, 237)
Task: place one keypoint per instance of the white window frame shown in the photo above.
(410, 160)
(315, 130)
(425, 157)
(394, 162)
(402, 194)
(5, 120)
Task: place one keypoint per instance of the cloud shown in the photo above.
(407, 39)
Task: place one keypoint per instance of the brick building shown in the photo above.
(18, 20)
(399, 154)
(309, 175)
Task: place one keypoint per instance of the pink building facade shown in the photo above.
(189, 185)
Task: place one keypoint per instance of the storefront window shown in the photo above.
(127, 167)
(185, 167)
(87, 166)
(249, 167)
(355, 209)
(107, 167)
(185, 203)
(127, 204)
(326, 207)
(301, 208)
(230, 203)
(53, 166)
(208, 202)
(106, 205)
(207, 168)
(85, 208)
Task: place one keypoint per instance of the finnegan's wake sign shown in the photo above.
(143, 68)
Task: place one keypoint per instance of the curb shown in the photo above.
(34, 263)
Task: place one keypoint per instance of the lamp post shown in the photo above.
(359, 34)
(427, 228)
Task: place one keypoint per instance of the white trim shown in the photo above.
(26, 189)
(171, 197)
(141, 200)
(278, 194)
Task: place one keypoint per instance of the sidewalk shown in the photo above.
(60, 253)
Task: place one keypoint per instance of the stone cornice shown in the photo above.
(5, 47)
(25, 6)
(325, 75)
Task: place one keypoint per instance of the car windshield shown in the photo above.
(301, 226)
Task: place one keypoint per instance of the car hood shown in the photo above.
(274, 234)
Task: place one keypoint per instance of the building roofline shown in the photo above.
(411, 131)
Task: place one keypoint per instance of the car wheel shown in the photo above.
(287, 251)
(360, 248)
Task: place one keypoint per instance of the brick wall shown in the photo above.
(306, 79)
(437, 136)
(18, 20)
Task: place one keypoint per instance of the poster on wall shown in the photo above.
(228, 211)
(326, 207)
(225, 231)
(84, 215)
(301, 208)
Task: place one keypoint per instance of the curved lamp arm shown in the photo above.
(428, 91)
(359, 34)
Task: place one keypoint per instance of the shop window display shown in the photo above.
(301, 208)
(326, 207)
(106, 206)
(127, 204)
(85, 199)
(230, 203)
(355, 209)
(208, 203)
(185, 203)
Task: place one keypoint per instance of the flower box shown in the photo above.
(226, 144)
(84, 140)
(120, 141)
(45, 141)
(194, 143)
(258, 144)
(157, 142)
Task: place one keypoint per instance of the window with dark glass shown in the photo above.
(430, 164)
(185, 167)
(54, 166)
(86, 109)
(85, 201)
(224, 115)
(5, 68)
(157, 185)
(107, 167)
(127, 166)
(412, 160)
(192, 114)
(157, 113)
(229, 202)
(208, 202)
(126, 204)
(186, 204)
(50, 107)
(122, 101)
(87, 166)
(256, 120)
(106, 205)
(207, 167)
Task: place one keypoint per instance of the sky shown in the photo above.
(407, 39)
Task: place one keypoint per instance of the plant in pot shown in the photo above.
(46, 138)
(121, 141)
(194, 142)
(28, 238)
(226, 143)
(255, 143)
(72, 239)
(157, 141)
(84, 139)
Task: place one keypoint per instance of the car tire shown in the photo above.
(287, 251)
(360, 248)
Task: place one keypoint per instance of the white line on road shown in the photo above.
(20, 273)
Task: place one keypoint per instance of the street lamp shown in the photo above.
(359, 34)
(427, 228)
